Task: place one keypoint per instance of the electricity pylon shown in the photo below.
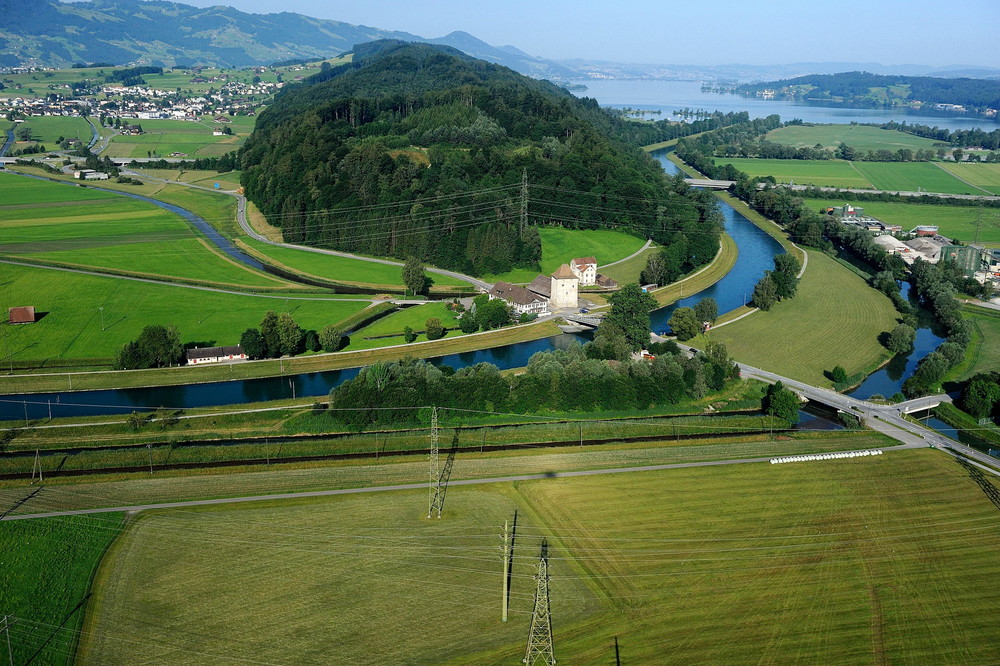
(539, 650)
(436, 487)
(524, 202)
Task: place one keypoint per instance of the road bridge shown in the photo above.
(709, 184)
(920, 404)
(588, 320)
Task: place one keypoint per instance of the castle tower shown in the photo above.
(565, 285)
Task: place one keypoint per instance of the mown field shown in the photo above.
(415, 317)
(834, 319)
(560, 246)
(82, 227)
(47, 129)
(984, 176)
(45, 581)
(343, 270)
(71, 326)
(163, 138)
(859, 137)
(893, 176)
(229, 180)
(841, 561)
(956, 222)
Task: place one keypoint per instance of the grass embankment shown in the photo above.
(983, 352)
(673, 431)
(46, 222)
(702, 278)
(270, 368)
(957, 222)
(389, 329)
(341, 270)
(865, 546)
(834, 319)
(859, 137)
(560, 246)
(72, 329)
(45, 581)
(182, 138)
(953, 416)
(892, 176)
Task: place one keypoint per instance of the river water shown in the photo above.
(670, 96)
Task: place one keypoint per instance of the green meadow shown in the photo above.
(834, 562)
(71, 327)
(859, 137)
(955, 221)
(834, 319)
(892, 176)
(983, 176)
(162, 138)
(45, 581)
(47, 129)
(822, 173)
(414, 316)
(560, 246)
(344, 270)
(84, 227)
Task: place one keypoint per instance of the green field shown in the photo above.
(912, 177)
(984, 176)
(45, 580)
(893, 176)
(560, 246)
(163, 138)
(51, 222)
(47, 129)
(846, 561)
(983, 353)
(956, 222)
(834, 319)
(344, 270)
(71, 327)
(227, 181)
(859, 137)
(822, 173)
(415, 317)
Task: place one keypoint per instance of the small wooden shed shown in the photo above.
(21, 315)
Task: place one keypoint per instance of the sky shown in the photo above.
(689, 32)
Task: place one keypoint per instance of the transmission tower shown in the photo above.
(507, 553)
(524, 202)
(539, 650)
(37, 467)
(436, 487)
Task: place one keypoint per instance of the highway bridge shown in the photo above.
(709, 184)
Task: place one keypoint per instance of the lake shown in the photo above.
(670, 96)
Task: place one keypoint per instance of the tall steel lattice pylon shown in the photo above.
(524, 202)
(539, 650)
(436, 488)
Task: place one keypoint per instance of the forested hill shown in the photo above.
(887, 91)
(419, 150)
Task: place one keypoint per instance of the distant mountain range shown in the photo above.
(50, 33)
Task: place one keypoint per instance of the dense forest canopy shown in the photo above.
(885, 90)
(417, 150)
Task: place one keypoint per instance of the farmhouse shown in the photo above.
(90, 174)
(21, 315)
(585, 268)
(204, 355)
(519, 298)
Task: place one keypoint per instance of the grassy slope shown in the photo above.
(560, 246)
(834, 319)
(415, 317)
(45, 578)
(72, 327)
(837, 562)
(859, 137)
(983, 354)
(340, 269)
(954, 221)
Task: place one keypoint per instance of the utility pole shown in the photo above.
(37, 466)
(539, 650)
(102, 316)
(435, 489)
(524, 202)
(149, 447)
(506, 557)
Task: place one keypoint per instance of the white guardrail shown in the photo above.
(827, 456)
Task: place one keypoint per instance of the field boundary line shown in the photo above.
(955, 175)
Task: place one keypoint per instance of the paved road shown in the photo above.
(642, 249)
